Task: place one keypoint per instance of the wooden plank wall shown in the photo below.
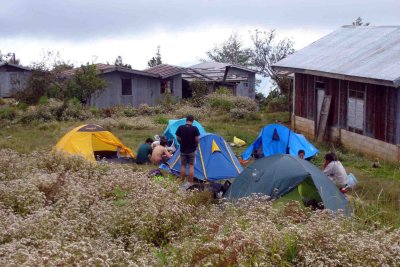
(380, 112)
(343, 104)
(332, 89)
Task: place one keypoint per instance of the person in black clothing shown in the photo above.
(188, 138)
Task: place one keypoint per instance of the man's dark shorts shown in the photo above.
(188, 158)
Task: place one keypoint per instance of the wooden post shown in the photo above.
(323, 118)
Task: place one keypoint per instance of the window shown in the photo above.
(126, 85)
(167, 86)
(245, 84)
(355, 111)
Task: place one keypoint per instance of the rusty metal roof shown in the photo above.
(369, 52)
(105, 68)
(165, 70)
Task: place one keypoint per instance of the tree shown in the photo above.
(9, 58)
(359, 22)
(119, 62)
(266, 52)
(85, 83)
(231, 51)
(156, 60)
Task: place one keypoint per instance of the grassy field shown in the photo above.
(377, 195)
(68, 211)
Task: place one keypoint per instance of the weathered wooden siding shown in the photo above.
(343, 93)
(177, 81)
(398, 117)
(12, 81)
(305, 96)
(145, 90)
(381, 113)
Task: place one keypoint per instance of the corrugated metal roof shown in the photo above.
(206, 71)
(165, 70)
(215, 71)
(211, 65)
(369, 52)
(105, 68)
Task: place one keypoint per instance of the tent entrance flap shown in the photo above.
(99, 145)
(90, 141)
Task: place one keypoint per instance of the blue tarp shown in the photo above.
(173, 125)
(215, 160)
(278, 139)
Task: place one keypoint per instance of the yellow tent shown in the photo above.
(92, 140)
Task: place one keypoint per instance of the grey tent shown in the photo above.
(280, 174)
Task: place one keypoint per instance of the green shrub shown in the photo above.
(22, 106)
(43, 100)
(278, 104)
(146, 110)
(2, 102)
(239, 113)
(199, 91)
(168, 100)
(220, 102)
(74, 110)
(160, 119)
(197, 113)
(94, 111)
(130, 111)
(8, 113)
(245, 103)
(223, 91)
(135, 123)
(52, 110)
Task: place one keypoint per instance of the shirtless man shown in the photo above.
(160, 153)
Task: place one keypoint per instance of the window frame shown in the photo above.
(357, 95)
(124, 93)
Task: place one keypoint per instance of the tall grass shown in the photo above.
(66, 211)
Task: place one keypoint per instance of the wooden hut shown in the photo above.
(346, 87)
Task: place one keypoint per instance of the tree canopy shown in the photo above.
(231, 51)
(9, 58)
(265, 50)
(85, 83)
(359, 22)
(119, 62)
(156, 60)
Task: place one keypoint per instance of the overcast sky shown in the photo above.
(98, 30)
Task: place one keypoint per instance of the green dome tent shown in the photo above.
(278, 175)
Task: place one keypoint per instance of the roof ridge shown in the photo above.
(371, 26)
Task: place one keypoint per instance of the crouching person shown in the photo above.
(334, 169)
(160, 153)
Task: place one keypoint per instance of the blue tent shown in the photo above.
(215, 160)
(278, 139)
(173, 125)
(280, 174)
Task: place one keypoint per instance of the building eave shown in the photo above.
(14, 65)
(130, 71)
(338, 76)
